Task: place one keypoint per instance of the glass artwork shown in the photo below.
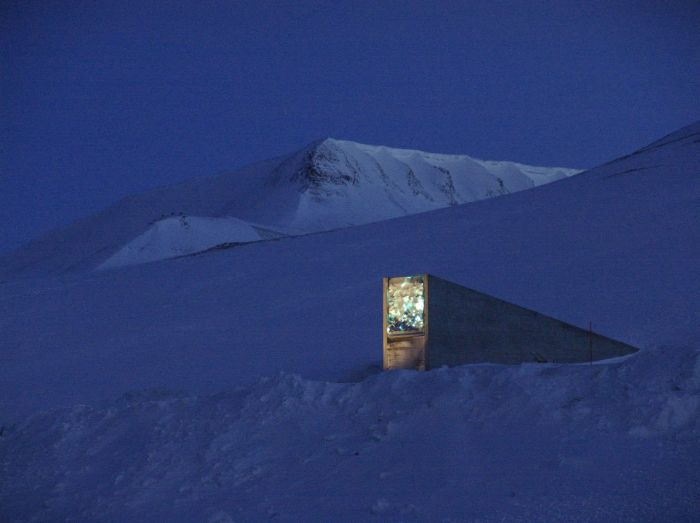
(405, 304)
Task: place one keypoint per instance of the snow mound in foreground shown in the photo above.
(611, 442)
(181, 235)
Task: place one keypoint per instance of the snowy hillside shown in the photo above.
(181, 235)
(327, 185)
(176, 401)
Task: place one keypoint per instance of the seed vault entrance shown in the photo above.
(405, 322)
(430, 322)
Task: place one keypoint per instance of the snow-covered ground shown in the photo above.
(326, 185)
(606, 443)
(171, 405)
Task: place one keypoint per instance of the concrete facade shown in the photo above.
(462, 326)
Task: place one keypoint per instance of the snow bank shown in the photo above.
(615, 442)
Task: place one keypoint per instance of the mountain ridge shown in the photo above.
(326, 185)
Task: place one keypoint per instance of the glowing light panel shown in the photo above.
(405, 304)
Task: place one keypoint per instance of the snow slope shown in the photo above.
(213, 439)
(178, 236)
(329, 184)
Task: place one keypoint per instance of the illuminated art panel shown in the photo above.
(405, 299)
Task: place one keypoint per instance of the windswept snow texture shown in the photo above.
(213, 439)
(327, 185)
(603, 443)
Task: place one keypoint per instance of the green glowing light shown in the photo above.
(405, 303)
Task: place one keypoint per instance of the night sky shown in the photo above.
(102, 99)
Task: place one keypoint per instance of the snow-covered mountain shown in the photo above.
(339, 183)
(229, 386)
(327, 185)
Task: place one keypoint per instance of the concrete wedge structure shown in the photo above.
(430, 322)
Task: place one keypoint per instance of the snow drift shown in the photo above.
(612, 442)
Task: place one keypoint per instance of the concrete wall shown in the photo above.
(406, 352)
(466, 326)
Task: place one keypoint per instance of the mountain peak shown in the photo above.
(330, 183)
(330, 164)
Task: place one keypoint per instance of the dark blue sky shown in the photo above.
(103, 99)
